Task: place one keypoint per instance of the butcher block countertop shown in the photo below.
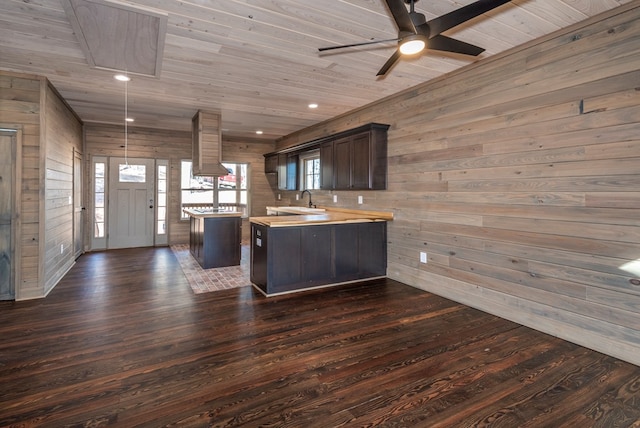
(316, 217)
(206, 213)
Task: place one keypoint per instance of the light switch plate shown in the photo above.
(335, 198)
(423, 257)
(360, 199)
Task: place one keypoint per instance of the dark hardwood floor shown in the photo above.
(123, 341)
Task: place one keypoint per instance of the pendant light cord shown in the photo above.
(126, 114)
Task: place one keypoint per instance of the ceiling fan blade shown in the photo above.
(447, 44)
(357, 44)
(387, 65)
(401, 16)
(449, 20)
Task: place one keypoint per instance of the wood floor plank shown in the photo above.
(123, 341)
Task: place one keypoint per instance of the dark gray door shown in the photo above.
(78, 209)
(7, 157)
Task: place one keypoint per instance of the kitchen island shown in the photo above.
(317, 249)
(215, 237)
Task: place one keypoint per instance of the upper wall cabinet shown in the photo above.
(271, 164)
(351, 160)
(359, 162)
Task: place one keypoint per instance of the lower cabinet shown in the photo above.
(216, 241)
(292, 258)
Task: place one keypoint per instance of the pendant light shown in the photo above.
(124, 78)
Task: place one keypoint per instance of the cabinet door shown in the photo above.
(361, 161)
(342, 163)
(282, 171)
(271, 164)
(285, 266)
(372, 249)
(316, 254)
(345, 239)
(326, 166)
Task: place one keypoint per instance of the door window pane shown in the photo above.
(132, 173)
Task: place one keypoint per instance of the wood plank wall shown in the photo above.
(106, 140)
(519, 177)
(20, 107)
(245, 150)
(63, 137)
(50, 133)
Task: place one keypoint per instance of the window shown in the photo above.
(229, 192)
(310, 170)
(98, 203)
(162, 200)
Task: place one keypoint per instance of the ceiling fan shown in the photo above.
(415, 33)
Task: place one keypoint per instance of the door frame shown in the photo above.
(102, 243)
(15, 133)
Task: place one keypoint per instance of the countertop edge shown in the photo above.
(330, 216)
(196, 214)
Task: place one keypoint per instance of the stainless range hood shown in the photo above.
(207, 144)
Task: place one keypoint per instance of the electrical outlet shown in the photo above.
(297, 197)
(61, 248)
(360, 199)
(423, 257)
(335, 198)
(279, 197)
(70, 200)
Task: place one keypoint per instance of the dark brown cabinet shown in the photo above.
(271, 164)
(355, 161)
(292, 258)
(342, 163)
(326, 166)
(216, 241)
(351, 160)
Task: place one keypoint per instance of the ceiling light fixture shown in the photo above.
(259, 132)
(313, 105)
(413, 44)
(122, 77)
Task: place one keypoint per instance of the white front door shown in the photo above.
(131, 203)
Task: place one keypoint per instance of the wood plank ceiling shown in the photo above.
(256, 61)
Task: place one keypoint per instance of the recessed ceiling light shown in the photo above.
(122, 77)
(259, 132)
(130, 119)
(313, 105)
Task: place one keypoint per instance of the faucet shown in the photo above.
(302, 197)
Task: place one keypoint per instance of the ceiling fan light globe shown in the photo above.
(412, 47)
